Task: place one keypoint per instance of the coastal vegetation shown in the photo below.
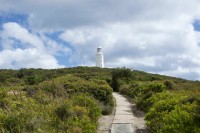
(72, 99)
(62, 100)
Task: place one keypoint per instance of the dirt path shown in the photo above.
(126, 119)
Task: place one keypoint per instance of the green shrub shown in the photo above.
(170, 85)
(102, 93)
(124, 89)
(31, 90)
(80, 112)
(64, 111)
(90, 104)
(106, 109)
(156, 87)
(120, 76)
(3, 100)
(17, 122)
(67, 85)
(31, 80)
(180, 120)
(173, 113)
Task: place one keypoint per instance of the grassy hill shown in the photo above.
(72, 99)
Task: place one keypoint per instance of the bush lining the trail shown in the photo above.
(55, 105)
(175, 111)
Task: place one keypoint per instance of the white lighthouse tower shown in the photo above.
(99, 58)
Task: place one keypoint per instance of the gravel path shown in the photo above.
(126, 119)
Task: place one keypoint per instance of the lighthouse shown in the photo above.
(99, 58)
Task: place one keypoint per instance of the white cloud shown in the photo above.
(24, 49)
(53, 47)
(154, 47)
(27, 58)
(13, 30)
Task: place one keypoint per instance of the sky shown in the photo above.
(156, 36)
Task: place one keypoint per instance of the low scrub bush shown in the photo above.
(120, 76)
(170, 85)
(168, 108)
(106, 109)
(64, 111)
(67, 85)
(141, 92)
(15, 122)
(3, 100)
(173, 113)
(89, 104)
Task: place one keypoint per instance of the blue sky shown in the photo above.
(14, 17)
(160, 38)
(196, 25)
